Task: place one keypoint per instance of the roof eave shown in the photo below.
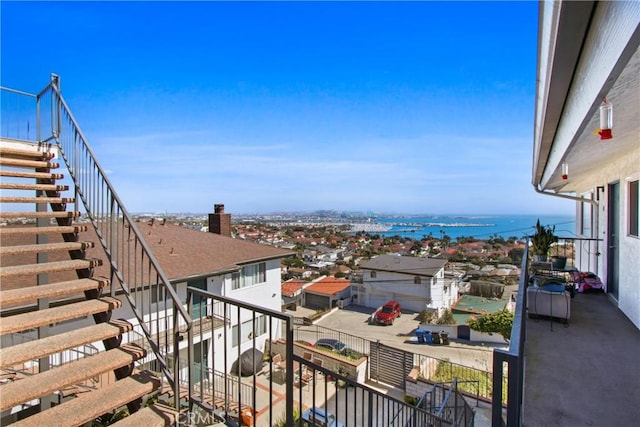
(562, 29)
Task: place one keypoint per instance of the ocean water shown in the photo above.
(477, 226)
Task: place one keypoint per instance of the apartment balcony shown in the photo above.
(568, 372)
(584, 372)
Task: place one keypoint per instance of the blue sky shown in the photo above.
(417, 107)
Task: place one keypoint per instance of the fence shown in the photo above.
(511, 361)
(312, 333)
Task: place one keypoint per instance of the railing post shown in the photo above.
(190, 350)
(113, 223)
(496, 403)
(176, 361)
(289, 374)
(369, 407)
(55, 106)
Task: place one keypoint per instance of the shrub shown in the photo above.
(499, 322)
(426, 316)
(411, 400)
(282, 421)
(446, 318)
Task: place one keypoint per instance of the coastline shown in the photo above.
(476, 226)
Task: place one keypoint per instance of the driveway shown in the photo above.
(354, 320)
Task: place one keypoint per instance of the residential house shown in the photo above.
(417, 283)
(292, 293)
(209, 261)
(326, 292)
(340, 269)
(225, 266)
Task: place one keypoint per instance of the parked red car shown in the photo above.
(388, 313)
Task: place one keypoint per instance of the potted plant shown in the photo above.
(559, 262)
(542, 240)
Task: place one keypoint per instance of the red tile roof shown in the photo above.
(290, 287)
(329, 286)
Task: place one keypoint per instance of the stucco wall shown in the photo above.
(622, 170)
(401, 287)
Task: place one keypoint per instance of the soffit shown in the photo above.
(572, 82)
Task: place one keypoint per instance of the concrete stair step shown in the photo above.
(47, 382)
(49, 267)
(30, 231)
(45, 247)
(156, 415)
(32, 294)
(41, 187)
(38, 200)
(31, 164)
(29, 174)
(34, 319)
(48, 214)
(17, 153)
(88, 406)
(36, 349)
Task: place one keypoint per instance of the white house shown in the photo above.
(218, 263)
(416, 283)
(587, 134)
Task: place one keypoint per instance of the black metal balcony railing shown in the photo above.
(447, 403)
(442, 371)
(135, 273)
(513, 358)
(280, 393)
(582, 254)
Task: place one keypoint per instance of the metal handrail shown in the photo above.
(229, 310)
(483, 390)
(158, 309)
(514, 357)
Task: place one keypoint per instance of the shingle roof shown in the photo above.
(405, 264)
(329, 286)
(181, 252)
(184, 252)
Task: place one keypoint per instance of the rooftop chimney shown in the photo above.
(220, 222)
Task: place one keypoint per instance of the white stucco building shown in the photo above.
(416, 283)
(589, 64)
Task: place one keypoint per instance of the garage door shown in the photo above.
(316, 301)
(415, 305)
(376, 301)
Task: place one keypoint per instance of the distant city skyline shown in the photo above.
(408, 107)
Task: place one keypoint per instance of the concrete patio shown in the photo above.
(583, 373)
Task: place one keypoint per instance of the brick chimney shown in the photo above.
(220, 222)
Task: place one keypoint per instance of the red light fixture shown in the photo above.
(565, 170)
(606, 120)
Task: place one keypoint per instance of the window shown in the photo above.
(373, 274)
(235, 280)
(157, 294)
(249, 275)
(260, 328)
(586, 210)
(417, 280)
(633, 208)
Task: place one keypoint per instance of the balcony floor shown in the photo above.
(586, 373)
